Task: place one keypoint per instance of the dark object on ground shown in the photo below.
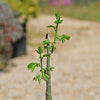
(19, 48)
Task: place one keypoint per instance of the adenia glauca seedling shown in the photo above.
(50, 48)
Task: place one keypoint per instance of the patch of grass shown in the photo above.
(90, 12)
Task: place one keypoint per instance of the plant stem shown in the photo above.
(55, 33)
(41, 65)
(48, 82)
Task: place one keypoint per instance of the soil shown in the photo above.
(77, 65)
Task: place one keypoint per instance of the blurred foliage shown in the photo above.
(90, 12)
(10, 32)
(84, 2)
(25, 7)
(43, 3)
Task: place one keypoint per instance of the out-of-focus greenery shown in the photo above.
(84, 2)
(10, 32)
(43, 3)
(26, 7)
(89, 12)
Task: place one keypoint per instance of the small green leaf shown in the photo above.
(39, 48)
(38, 77)
(44, 47)
(32, 66)
(63, 40)
(60, 21)
(51, 68)
(56, 22)
(45, 76)
(57, 15)
(46, 42)
(38, 65)
(39, 51)
(45, 70)
(51, 26)
(65, 36)
(46, 55)
(59, 38)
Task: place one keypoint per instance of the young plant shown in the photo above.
(50, 48)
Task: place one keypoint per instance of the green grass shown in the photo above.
(91, 12)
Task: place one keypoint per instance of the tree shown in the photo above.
(25, 7)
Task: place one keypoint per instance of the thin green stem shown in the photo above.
(41, 64)
(55, 33)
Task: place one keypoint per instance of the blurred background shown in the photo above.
(23, 25)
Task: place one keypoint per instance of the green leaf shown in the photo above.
(39, 51)
(46, 55)
(59, 38)
(56, 22)
(38, 77)
(38, 65)
(46, 42)
(45, 70)
(57, 15)
(51, 26)
(65, 36)
(63, 40)
(32, 66)
(39, 48)
(60, 21)
(51, 68)
(45, 76)
(44, 47)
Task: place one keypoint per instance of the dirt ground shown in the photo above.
(77, 65)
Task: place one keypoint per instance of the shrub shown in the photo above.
(10, 32)
(25, 7)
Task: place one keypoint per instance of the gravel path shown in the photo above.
(77, 62)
